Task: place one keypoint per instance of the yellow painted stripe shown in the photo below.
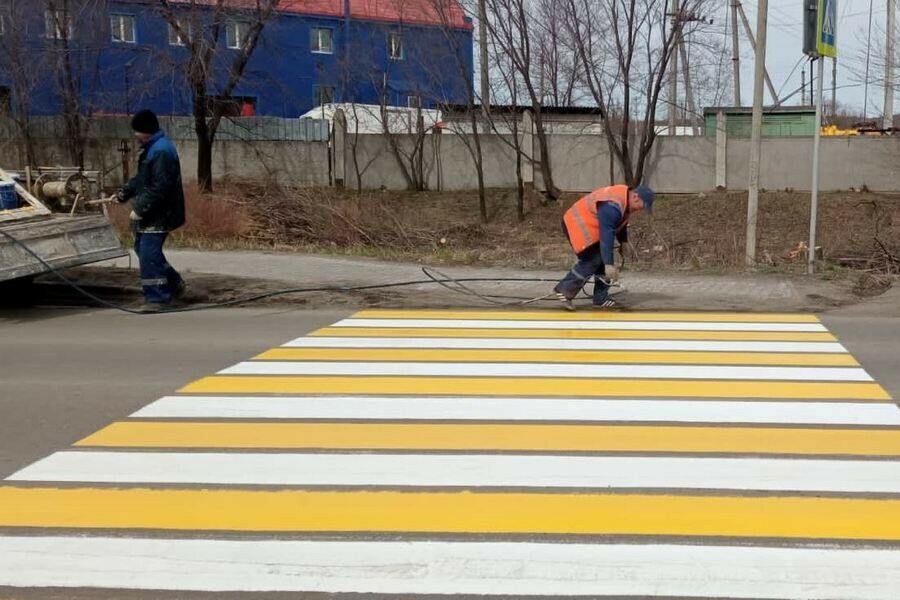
(559, 356)
(451, 512)
(469, 436)
(711, 317)
(537, 386)
(771, 336)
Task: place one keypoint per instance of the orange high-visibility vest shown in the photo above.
(582, 224)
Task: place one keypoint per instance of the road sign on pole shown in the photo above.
(826, 34)
(826, 45)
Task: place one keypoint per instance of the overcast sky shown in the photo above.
(785, 48)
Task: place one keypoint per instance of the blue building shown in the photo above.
(115, 56)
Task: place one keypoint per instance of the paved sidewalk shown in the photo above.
(641, 290)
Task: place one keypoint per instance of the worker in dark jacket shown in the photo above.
(593, 224)
(157, 201)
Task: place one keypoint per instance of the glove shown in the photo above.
(134, 216)
(612, 274)
(120, 196)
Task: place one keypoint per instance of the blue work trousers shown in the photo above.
(590, 264)
(158, 279)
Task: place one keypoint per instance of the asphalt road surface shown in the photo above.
(708, 455)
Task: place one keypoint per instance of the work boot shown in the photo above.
(152, 307)
(606, 304)
(185, 294)
(566, 301)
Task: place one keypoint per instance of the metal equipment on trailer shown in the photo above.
(59, 214)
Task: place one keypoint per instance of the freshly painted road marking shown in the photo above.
(557, 356)
(788, 517)
(520, 409)
(535, 386)
(581, 371)
(575, 334)
(438, 568)
(498, 437)
(582, 325)
(468, 471)
(688, 426)
(567, 344)
(709, 317)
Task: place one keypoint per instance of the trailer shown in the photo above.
(58, 214)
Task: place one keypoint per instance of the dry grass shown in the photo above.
(858, 231)
(220, 220)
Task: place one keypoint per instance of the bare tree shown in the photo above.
(514, 32)
(203, 27)
(509, 120)
(75, 63)
(625, 47)
(867, 68)
(24, 69)
(558, 67)
(435, 65)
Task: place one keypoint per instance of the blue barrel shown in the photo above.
(9, 199)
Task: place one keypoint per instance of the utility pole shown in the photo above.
(483, 57)
(868, 52)
(812, 82)
(888, 121)
(673, 67)
(753, 46)
(736, 52)
(759, 69)
(803, 86)
(688, 91)
(814, 191)
(833, 90)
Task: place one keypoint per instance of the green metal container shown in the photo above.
(780, 121)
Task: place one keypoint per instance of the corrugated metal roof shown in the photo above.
(418, 12)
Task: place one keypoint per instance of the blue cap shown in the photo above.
(647, 195)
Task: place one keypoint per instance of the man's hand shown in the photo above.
(134, 216)
(120, 196)
(612, 274)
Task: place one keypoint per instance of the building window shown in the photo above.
(122, 27)
(59, 24)
(2, 24)
(236, 34)
(320, 41)
(414, 101)
(323, 94)
(395, 46)
(183, 38)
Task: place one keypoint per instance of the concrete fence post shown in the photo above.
(339, 148)
(436, 139)
(527, 147)
(721, 151)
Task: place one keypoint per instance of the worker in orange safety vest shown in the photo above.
(593, 224)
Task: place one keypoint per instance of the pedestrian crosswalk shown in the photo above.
(705, 455)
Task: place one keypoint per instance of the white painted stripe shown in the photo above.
(601, 325)
(519, 409)
(467, 470)
(426, 567)
(565, 344)
(594, 371)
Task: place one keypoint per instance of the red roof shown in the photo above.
(418, 12)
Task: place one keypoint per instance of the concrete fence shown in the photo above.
(582, 162)
(290, 151)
